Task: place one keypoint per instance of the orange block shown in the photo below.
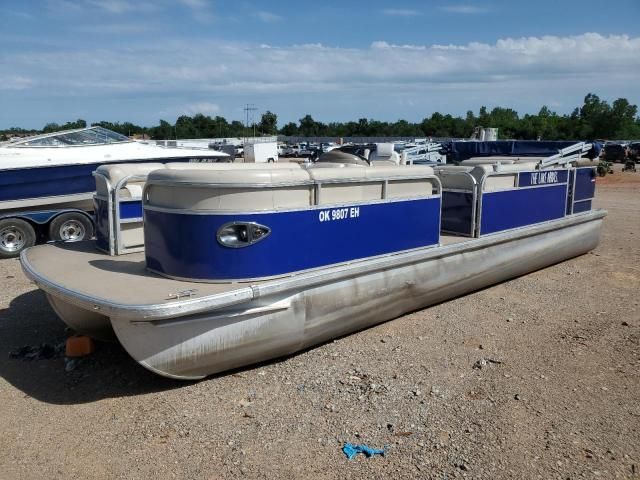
(79, 346)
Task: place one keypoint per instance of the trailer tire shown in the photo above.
(71, 227)
(15, 236)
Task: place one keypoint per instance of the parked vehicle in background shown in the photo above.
(629, 166)
(262, 152)
(328, 146)
(227, 148)
(634, 151)
(614, 152)
(282, 149)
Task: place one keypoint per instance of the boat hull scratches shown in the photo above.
(283, 323)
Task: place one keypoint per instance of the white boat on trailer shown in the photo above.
(55, 168)
(245, 265)
(46, 184)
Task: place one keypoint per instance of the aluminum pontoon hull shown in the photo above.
(194, 337)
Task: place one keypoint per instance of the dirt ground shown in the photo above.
(555, 392)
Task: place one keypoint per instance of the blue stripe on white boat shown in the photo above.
(299, 240)
(25, 183)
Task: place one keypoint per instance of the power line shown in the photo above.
(249, 107)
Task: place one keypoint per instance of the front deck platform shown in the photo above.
(81, 268)
(124, 280)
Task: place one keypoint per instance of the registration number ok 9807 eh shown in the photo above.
(338, 214)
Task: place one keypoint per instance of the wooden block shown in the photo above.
(79, 346)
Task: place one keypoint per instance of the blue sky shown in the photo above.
(143, 60)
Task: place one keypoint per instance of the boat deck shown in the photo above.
(451, 239)
(121, 277)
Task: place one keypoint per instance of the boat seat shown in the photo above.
(516, 167)
(384, 154)
(584, 162)
(504, 160)
(336, 165)
(196, 187)
(134, 191)
(230, 166)
(487, 161)
(453, 168)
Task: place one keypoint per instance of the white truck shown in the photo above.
(261, 152)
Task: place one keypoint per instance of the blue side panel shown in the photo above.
(585, 179)
(457, 208)
(101, 219)
(521, 207)
(185, 245)
(583, 206)
(130, 209)
(46, 181)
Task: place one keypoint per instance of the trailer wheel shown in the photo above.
(71, 227)
(15, 236)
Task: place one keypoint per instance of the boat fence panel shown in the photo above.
(347, 219)
(102, 214)
(583, 189)
(459, 200)
(118, 206)
(538, 196)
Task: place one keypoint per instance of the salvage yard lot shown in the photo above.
(535, 377)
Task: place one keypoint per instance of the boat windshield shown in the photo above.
(83, 136)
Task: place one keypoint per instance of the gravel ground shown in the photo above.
(537, 377)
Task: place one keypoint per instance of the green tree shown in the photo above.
(268, 123)
(290, 129)
(308, 126)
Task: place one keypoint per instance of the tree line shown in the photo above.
(595, 119)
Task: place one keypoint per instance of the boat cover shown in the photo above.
(459, 151)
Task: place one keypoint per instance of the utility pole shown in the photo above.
(249, 107)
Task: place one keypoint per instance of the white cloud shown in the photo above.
(17, 14)
(401, 12)
(206, 108)
(267, 17)
(122, 6)
(201, 10)
(529, 69)
(464, 9)
(197, 4)
(14, 82)
(211, 65)
(116, 28)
